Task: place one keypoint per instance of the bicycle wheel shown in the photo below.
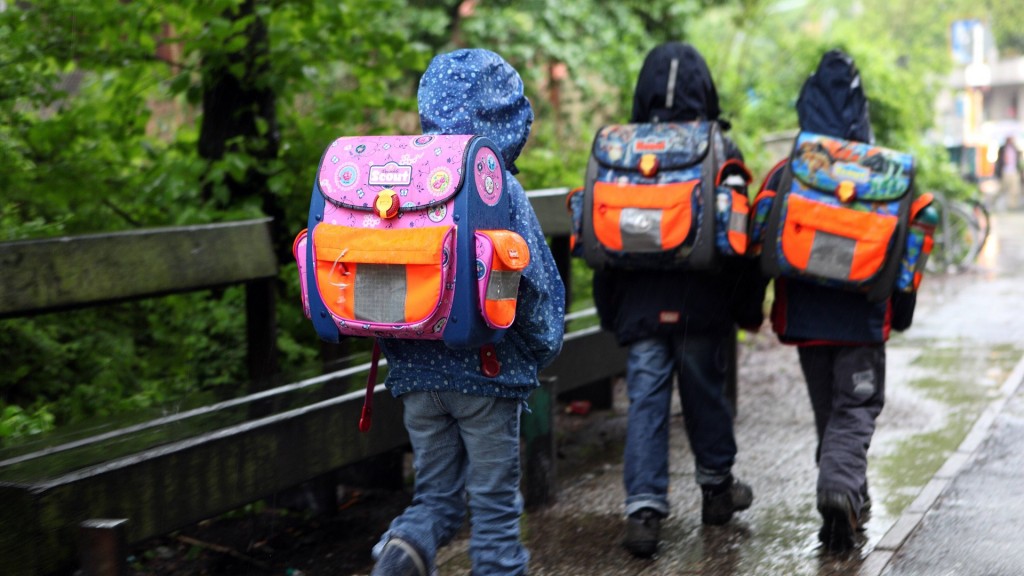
(964, 233)
(981, 215)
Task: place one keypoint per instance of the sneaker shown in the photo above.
(721, 501)
(839, 521)
(642, 530)
(399, 558)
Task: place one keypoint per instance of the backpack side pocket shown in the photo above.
(501, 256)
(574, 205)
(920, 240)
(299, 252)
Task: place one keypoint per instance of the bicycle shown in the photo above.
(960, 234)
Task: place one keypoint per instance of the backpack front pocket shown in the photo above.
(644, 218)
(501, 257)
(373, 279)
(835, 242)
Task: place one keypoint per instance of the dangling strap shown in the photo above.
(371, 381)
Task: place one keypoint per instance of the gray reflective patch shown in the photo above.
(738, 222)
(863, 383)
(640, 229)
(831, 255)
(380, 293)
(504, 285)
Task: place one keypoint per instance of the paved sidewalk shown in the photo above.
(970, 518)
(942, 461)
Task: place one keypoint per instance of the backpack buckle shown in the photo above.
(648, 165)
(386, 203)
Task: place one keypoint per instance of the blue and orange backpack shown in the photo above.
(844, 215)
(660, 196)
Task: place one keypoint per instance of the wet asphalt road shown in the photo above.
(943, 471)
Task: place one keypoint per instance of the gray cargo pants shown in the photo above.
(847, 390)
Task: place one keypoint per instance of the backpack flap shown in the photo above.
(844, 216)
(645, 188)
(501, 257)
(387, 175)
(851, 171)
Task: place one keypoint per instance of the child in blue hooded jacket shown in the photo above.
(462, 424)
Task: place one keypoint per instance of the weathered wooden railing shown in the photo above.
(92, 496)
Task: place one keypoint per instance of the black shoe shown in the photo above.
(642, 529)
(720, 501)
(839, 521)
(400, 558)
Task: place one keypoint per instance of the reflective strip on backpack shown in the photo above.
(738, 222)
(831, 255)
(670, 90)
(503, 285)
(640, 229)
(380, 291)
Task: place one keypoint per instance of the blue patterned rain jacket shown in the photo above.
(477, 92)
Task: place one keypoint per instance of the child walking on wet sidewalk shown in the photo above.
(464, 424)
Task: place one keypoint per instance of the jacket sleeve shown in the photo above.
(540, 309)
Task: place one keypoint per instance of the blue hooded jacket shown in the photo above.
(477, 92)
(832, 102)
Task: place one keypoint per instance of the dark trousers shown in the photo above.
(847, 390)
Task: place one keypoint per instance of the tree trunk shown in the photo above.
(234, 107)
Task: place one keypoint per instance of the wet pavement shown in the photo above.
(943, 465)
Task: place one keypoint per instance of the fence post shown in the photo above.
(539, 439)
(102, 547)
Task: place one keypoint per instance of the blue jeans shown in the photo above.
(464, 446)
(700, 363)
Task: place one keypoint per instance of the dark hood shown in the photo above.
(674, 85)
(832, 100)
(476, 92)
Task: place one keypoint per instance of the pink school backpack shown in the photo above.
(408, 237)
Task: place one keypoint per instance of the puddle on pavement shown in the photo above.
(955, 384)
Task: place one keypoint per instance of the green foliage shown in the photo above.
(101, 116)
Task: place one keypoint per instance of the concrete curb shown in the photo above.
(880, 557)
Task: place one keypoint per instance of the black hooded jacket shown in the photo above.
(832, 102)
(675, 85)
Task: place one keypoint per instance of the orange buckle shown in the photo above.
(846, 191)
(648, 165)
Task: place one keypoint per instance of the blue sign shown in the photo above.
(962, 40)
